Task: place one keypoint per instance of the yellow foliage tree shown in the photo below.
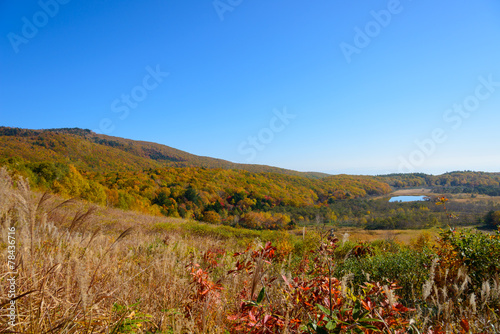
(211, 217)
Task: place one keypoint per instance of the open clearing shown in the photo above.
(412, 192)
(402, 236)
(409, 192)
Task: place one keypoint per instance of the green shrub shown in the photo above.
(344, 249)
(478, 251)
(383, 246)
(309, 242)
(407, 267)
(492, 219)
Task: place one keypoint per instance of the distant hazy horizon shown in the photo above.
(355, 88)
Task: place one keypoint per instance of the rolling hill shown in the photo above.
(94, 152)
(158, 179)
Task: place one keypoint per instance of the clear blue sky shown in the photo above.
(361, 82)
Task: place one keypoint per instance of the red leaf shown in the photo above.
(465, 324)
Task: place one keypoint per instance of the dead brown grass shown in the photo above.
(84, 269)
(413, 192)
(401, 236)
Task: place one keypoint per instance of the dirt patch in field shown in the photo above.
(412, 192)
(408, 192)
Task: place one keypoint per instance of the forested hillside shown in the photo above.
(89, 151)
(213, 195)
(160, 180)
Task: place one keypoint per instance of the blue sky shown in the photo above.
(332, 86)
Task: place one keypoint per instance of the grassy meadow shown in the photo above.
(73, 267)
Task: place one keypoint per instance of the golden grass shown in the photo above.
(401, 236)
(466, 198)
(413, 192)
(80, 275)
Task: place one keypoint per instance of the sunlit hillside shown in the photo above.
(90, 151)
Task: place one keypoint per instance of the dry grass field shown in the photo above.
(413, 192)
(401, 236)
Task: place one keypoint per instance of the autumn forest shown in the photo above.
(110, 235)
(156, 179)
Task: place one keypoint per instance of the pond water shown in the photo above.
(407, 198)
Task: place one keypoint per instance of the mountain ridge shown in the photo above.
(62, 145)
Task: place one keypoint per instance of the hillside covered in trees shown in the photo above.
(212, 195)
(89, 151)
(156, 179)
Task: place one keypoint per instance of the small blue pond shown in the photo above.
(407, 198)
